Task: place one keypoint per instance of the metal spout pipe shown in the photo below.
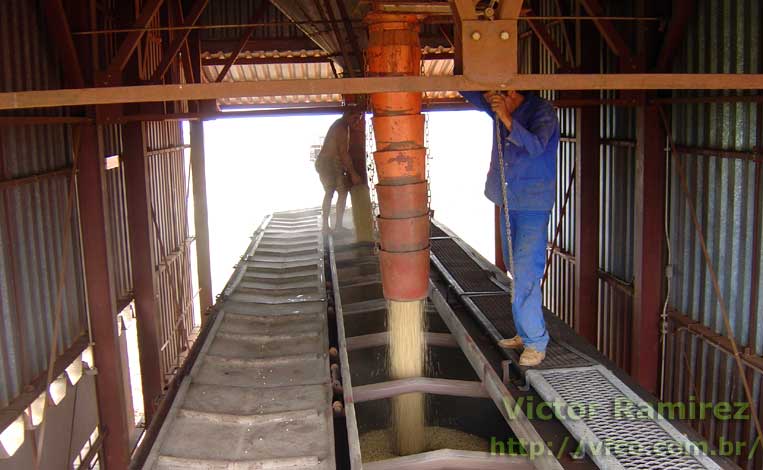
(400, 157)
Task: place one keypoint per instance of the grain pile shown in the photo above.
(407, 354)
(378, 445)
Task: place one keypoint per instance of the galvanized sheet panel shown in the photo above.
(224, 12)
(33, 226)
(559, 288)
(617, 170)
(169, 189)
(723, 37)
(701, 373)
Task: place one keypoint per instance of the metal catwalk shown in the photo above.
(268, 390)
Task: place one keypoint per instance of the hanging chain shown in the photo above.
(371, 170)
(428, 162)
(504, 192)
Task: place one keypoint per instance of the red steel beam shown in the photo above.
(682, 12)
(242, 42)
(201, 219)
(143, 272)
(607, 29)
(347, 22)
(649, 242)
(548, 43)
(126, 49)
(93, 208)
(649, 219)
(587, 148)
(61, 36)
(177, 42)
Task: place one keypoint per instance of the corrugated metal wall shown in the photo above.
(32, 212)
(169, 189)
(32, 215)
(559, 287)
(118, 222)
(617, 168)
(723, 36)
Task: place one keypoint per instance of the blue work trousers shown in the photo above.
(528, 238)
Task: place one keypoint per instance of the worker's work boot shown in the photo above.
(531, 357)
(511, 343)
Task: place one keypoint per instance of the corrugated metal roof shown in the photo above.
(289, 70)
(276, 71)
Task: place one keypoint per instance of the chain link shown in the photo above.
(371, 170)
(504, 191)
(428, 161)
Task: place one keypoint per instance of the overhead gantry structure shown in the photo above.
(486, 54)
(152, 68)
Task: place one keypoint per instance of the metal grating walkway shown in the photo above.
(601, 413)
(259, 394)
(464, 270)
(585, 394)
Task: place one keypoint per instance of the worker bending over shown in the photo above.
(334, 165)
(528, 134)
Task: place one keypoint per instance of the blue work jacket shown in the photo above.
(529, 154)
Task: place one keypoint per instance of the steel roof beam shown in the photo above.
(682, 11)
(60, 34)
(177, 43)
(541, 32)
(126, 49)
(611, 35)
(364, 85)
(242, 42)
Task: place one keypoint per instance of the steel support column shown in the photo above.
(649, 216)
(648, 266)
(201, 220)
(143, 265)
(587, 194)
(91, 187)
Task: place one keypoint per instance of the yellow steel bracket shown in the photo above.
(487, 44)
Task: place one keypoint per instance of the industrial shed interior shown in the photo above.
(651, 292)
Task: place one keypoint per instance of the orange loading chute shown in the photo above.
(393, 50)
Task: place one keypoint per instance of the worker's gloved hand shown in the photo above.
(356, 179)
(498, 103)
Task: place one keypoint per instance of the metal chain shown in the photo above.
(504, 192)
(428, 162)
(371, 170)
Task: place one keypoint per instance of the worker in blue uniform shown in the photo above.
(528, 134)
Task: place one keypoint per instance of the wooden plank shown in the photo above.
(364, 85)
